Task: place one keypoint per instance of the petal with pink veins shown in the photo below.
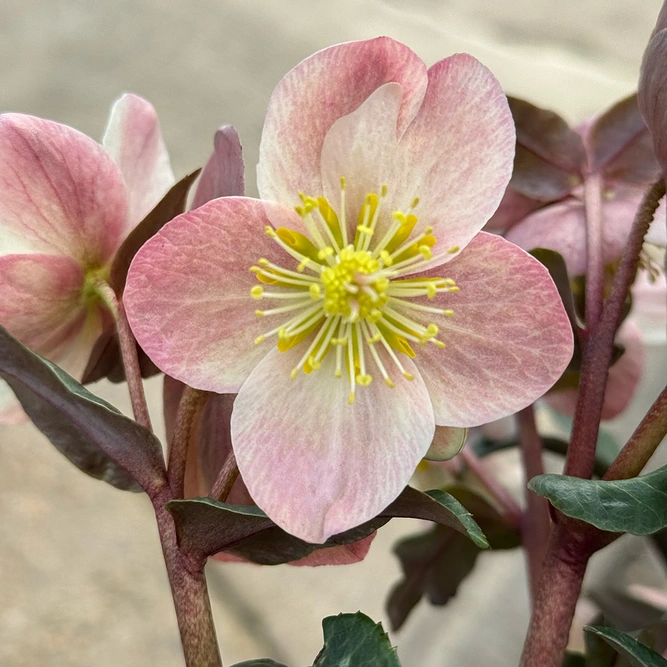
(188, 292)
(457, 154)
(317, 465)
(60, 192)
(223, 174)
(624, 376)
(314, 95)
(134, 140)
(508, 341)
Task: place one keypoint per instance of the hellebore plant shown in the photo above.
(388, 311)
(66, 206)
(321, 341)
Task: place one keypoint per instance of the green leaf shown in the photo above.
(206, 527)
(435, 563)
(636, 653)
(259, 662)
(90, 432)
(171, 205)
(637, 506)
(354, 640)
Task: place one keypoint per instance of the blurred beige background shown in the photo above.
(81, 578)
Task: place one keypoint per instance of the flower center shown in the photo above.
(351, 297)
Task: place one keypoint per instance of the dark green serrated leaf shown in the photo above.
(637, 506)
(206, 527)
(90, 432)
(435, 563)
(354, 640)
(260, 662)
(171, 205)
(636, 653)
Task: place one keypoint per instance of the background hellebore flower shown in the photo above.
(624, 168)
(375, 178)
(66, 205)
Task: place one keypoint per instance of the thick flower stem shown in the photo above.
(599, 346)
(556, 599)
(226, 478)
(594, 260)
(128, 349)
(643, 442)
(535, 525)
(190, 594)
(509, 507)
(192, 402)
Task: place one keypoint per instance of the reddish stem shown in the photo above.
(508, 505)
(128, 348)
(643, 442)
(225, 479)
(594, 260)
(598, 350)
(535, 525)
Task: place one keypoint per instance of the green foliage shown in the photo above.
(206, 527)
(635, 653)
(90, 432)
(637, 506)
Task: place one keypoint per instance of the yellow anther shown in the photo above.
(260, 339)
(414, 203)
(425, 251)
(383, 191)
(386, 258)
(454, 289)
(432, 330)
(338, 373)
(259, 313)
(431, 290)
(408, 376)
(269, 231)
(364, 230)
(400, 217)
(315, 291)
(314, 363)
(448, 313)
(302, 265)
(255, 269)
(257, 292)
(263, 261)
(453, 249)
(343, 182)
(389, 382)
(364, 380)
(438, 343)
(374, 339)
(282, 333)
(293, 373)
(374, 315)
(325, 252)
(381, 284)
(350, 398)
(428, 230)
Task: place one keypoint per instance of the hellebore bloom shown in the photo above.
(66, 205)
(367, 159)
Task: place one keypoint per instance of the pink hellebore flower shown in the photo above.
(66, 205)
(366, 159)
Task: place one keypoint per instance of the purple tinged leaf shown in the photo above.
(223, 174)
(636, 653)
(621, 146)
(652, 92)
(90, 432)
(171, 205)
(549, 155)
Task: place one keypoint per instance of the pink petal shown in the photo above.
(223, 174)
(40, 305)
(310, 98)
(624, 377)
(317, 465)
(513, 208)
(457, 154)
(345, 554)
(60, 193)
(508, 341)
(134, 140)
(562, 227)
(188, 293)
